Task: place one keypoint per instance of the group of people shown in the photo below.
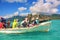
(27, 23)
(16, 23)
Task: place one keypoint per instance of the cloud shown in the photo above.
(8, 16)
(11, 1)
(54, 10)
(41, 7)
(49, 7)
(33, 13)
(33, 2)
(22, 8)
(16, 13)
(55, 2)
(11, 15)
(24, 14)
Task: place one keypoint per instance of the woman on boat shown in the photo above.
(15, 24)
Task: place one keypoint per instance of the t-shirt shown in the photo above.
(22, 22)
(1, 25)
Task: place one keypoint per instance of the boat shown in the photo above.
(42, 27)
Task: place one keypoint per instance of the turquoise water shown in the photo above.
(53, 34)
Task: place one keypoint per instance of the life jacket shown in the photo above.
(15, 23)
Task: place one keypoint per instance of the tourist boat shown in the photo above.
(42, 27)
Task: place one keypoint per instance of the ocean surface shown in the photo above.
(53, 34)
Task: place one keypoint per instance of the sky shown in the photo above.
(23, 7)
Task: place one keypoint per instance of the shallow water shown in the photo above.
(53, 34)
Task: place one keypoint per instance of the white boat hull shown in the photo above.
(44, 27)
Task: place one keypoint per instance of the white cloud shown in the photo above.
(24, 14)
(11, 1)
(11, 15)
(22, 8)
(5, 17)
(8, 16)
(55, 2)
(33, 2)
(47, 7)
(34, 13)
(54, 10)
(41, 8)
(16, 13)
